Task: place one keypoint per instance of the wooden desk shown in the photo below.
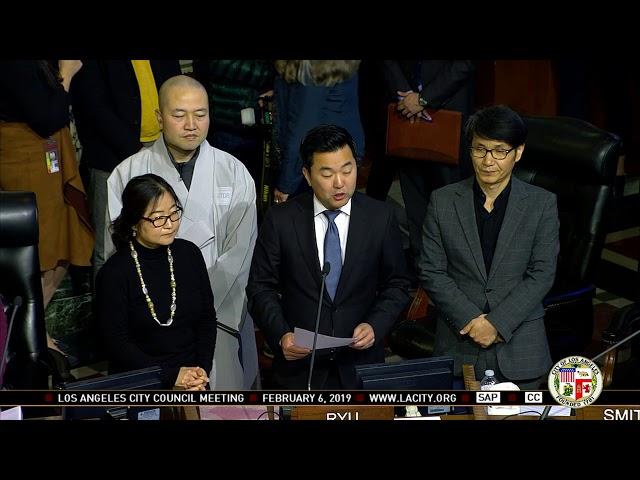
(472, 385)
(586, 413)
(364, 412)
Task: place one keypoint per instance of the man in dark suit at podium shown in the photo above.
(366, 288)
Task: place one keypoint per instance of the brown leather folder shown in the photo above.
(436, 141)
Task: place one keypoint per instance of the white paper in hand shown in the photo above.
(304, 338)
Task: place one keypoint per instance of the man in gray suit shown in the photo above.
(490, 245)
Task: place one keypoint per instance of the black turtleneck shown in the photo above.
(132, 337)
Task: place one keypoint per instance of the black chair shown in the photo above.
(576, 161)
(30, 361)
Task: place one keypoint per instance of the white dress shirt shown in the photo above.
(321, 223)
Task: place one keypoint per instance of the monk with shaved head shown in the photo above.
(219, 201)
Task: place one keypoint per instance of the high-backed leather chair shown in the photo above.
(576, 161)
(28, 367)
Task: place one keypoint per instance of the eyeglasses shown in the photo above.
(161, 221)
(497, 153)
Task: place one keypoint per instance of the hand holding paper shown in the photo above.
(363, 337)
(304, 338)
(291, 349)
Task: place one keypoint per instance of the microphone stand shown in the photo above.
(325, 271)
(547, 409)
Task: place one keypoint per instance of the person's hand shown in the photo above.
(424, 115)
(195, 379)
(67, 69)
(481, 331)
(290, 350)
(408, 104)
(363, 337)
(279, 197)
(268, 93)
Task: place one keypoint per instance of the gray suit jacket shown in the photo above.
(452, 271)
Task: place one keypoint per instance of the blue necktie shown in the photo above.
(332, 253)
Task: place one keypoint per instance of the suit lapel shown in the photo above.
(356, 244)
(306, 235)
(516, 210)
(466, 213)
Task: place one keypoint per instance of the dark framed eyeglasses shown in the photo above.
(497, 153)
(161, 220)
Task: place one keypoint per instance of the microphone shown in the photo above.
(547, 409)
(326, 268)
(17, 303)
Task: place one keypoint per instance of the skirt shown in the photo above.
(65, 232)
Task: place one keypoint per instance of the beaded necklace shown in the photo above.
(134, 254)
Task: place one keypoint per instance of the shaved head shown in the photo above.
(178, 82)
(183, 115)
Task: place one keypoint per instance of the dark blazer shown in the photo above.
(285, 279)
(106, 106)
(452, 270)
(447, 83)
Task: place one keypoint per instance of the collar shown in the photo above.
(149, 253)
(318, 207)
(478, 192)
(192, 159)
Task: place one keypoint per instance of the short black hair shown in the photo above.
(137, 195)
(322, 139)
(497, 122)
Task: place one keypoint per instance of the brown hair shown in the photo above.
(325, 73)
(288, 69)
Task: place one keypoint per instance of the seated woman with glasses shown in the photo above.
(154, 302)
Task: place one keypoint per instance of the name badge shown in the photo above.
(51, 155)
(223, 197)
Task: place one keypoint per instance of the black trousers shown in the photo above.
(417, 180)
